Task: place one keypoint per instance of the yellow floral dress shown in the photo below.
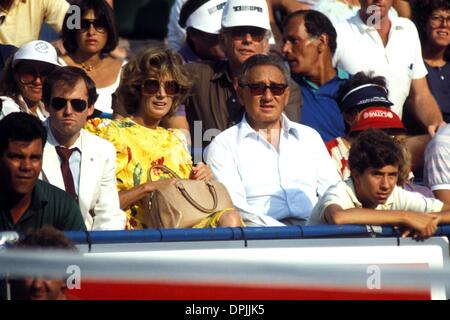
(138, 148)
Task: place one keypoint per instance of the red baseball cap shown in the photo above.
(377, 118)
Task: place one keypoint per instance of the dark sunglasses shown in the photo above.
(27, 76)
(151, 87)
(59, 103)
(258, 89)
(257, 34)
(98, 24)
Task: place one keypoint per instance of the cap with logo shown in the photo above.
(378, 118)
(37, 50)
(253, 13)
(207, 17)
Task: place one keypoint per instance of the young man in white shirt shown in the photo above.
(75, 160)
(273, 168)
(371, 195)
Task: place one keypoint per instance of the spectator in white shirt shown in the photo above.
(274, 169)
(372, 41)
(371, 194)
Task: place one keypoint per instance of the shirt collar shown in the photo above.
(340, 74)
(221, 71)
(52, 140)
(286, 125)
(363, 27)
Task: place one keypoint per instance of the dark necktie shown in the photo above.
(64, 155)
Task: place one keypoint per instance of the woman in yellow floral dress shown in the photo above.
(152, 87)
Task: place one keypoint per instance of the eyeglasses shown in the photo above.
(258, 89)
(59, 103)
(99, 25)
(28, 76)
(151, 87)
(256, 33)
(437, 21)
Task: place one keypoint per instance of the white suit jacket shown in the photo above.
(97, 193)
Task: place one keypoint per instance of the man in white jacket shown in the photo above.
(75, 160)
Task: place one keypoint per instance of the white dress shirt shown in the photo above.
(74, 160)
(266, 184)
(360, 48)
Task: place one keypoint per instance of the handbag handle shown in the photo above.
(164, 169)
(212, 191)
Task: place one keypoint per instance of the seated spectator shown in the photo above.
(152, 87)
(90, 46)
(274, 169)
(433, 23)
(371, 195)
(389, 47)
(75, 160)
(201, 19)
(437, 165)
(21, 84)
(310, 42)
(212, 105)
(26, 202)
(39, 288)
(357, 94)
(22, 20)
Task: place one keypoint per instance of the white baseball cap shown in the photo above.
(253, 13)
(37, 50)
(207, 17)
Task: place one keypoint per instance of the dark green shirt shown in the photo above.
(49, 206)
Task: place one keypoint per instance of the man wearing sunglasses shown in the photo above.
(274, 169)
(75, 160)
(213, 105)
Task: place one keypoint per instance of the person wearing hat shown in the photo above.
(201, 19)
(310, 42)
(373, 41)
(213, 105)
(372, 196)
(364, 103)
(24, 74)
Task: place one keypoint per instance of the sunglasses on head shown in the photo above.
(98, 24)
(151, 86)
(258, 89)
(59, 103)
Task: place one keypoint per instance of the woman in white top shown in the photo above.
(88, 47)
(24, 73)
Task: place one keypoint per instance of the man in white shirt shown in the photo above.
(75, 160)
(274, 169)
(371, 195)
(372, 41)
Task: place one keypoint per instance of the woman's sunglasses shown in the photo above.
(78, 105)
(151, 87)
(29, 75)
(99, 25)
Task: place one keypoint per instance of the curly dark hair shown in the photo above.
(375, 149)
(46, 237)
(159, 62)
(316, 24)
(422, 10)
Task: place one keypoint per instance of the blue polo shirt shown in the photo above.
(320, 109)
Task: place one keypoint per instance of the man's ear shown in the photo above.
(90, 110)
(323, 42)
(240, 94)
(223, 42)
(287, 94)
